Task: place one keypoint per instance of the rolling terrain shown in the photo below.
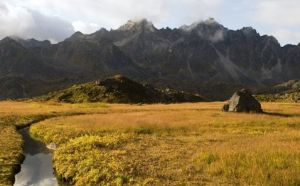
(119, 89)
(284, 92)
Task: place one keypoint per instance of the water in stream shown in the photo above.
(37, 169)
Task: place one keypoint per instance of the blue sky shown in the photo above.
(57, 19)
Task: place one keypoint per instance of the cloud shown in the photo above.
(26, 23)
(280, 18)
(113, 13)
(214, 36)
(3, 9)
(13, 20)
(55, 19)
(46, 27)
(278, 12)
(86, 28)
(29, 18)
(289, 37)
(217, 36)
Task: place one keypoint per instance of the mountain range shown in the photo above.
(205, 58)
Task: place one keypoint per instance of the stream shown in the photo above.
(37, 168)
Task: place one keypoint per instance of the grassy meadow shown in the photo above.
(175, 144)
(15, 115)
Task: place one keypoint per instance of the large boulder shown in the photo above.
(242, 101)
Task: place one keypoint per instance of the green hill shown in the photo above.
(284, 92)
(118, 89)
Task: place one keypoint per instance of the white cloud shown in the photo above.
(89, 15)
(280, 18)
(289, 37)
(84, 27)
(26, 23)
(279, 12)
(13, 20)
(112, 13)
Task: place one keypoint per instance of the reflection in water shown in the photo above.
(37, 169)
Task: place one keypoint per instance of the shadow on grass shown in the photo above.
(281, 114)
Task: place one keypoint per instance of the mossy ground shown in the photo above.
(181, 144)
(10, 153)
(11, 144)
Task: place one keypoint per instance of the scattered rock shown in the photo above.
(242, 101)
(51, 146)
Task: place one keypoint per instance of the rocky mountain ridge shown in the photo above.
(204, 57)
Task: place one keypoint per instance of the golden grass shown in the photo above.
(178, 144)
(10, 153)
(38, 108)
(11, 144)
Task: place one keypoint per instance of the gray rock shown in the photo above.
(242, 101)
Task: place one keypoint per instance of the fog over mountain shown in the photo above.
(204, 57)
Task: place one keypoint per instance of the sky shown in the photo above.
(56, 20)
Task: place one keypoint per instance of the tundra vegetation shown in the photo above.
(291, 97)
(175, 144)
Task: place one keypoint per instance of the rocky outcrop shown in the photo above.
(242, 101)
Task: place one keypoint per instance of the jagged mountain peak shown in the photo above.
(27, 43)
(32, 43)
(210, 23)
(208, 29)
(77, 35)
(7, 40)
(273, 40)
(8, 43)
(100, 33)
(138, 25)
(249, 31)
